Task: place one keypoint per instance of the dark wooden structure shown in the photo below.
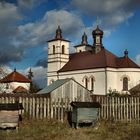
(9, 115)
(84, 112)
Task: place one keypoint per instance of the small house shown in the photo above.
(15, 81)
(66, 88)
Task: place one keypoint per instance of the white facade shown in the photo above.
(104, 79)
(82, 48)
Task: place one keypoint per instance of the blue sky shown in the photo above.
(26, 25)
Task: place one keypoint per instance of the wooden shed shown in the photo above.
(9, 115)
(66, 88)
(84, 112)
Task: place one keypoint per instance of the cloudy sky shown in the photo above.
(26, 25)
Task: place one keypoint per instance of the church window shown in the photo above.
(53, 49)
(63, 49)
(92, 84)
(85, 80)
(86, 83)
(125, 83)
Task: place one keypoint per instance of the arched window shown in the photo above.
(85, 80)
(53, 49)
(125, 83)
(63, 49)
(86, 83)
(92, 83)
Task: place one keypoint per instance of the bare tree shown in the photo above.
(3, 72)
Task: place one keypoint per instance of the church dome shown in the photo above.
(97, 31)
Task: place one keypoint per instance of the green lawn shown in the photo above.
(53, 130)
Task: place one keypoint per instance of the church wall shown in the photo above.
(133, 75)
(105, 79)
(81, 48)
(115, 78)
(112, 79)
(98, 75)
(51, 76)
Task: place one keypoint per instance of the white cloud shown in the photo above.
(6, 10)
(38, 32)
(9, 16)
(100, 6)
(111, 12)
(115, 19)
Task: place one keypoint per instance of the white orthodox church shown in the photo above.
(93, 66)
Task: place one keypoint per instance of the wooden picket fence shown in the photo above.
(126, 109)
(39, 107)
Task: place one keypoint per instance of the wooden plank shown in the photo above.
(48, 108)
(41, 108)
(34, 108)
(30, 107)
(45, 108)
(62, 111)
(138, 109)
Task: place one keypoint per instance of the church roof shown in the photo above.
(88, 45)
(56, 39)
(58, 35)
(15, 77)
(91, 60)
(97, 31)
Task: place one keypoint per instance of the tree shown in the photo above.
(33, 86)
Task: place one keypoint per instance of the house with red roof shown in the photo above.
(93, 66)
(15, 82)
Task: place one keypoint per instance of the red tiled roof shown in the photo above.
(90, 60)
(20, 89)
(15, 77)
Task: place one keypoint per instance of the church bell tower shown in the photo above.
(58, 54)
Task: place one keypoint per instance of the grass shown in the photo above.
(53, 130)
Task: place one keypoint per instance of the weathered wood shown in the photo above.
(113, 108)
(9, 114)
(9, 118)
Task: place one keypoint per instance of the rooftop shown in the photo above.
(91, 60)
(15, 77)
